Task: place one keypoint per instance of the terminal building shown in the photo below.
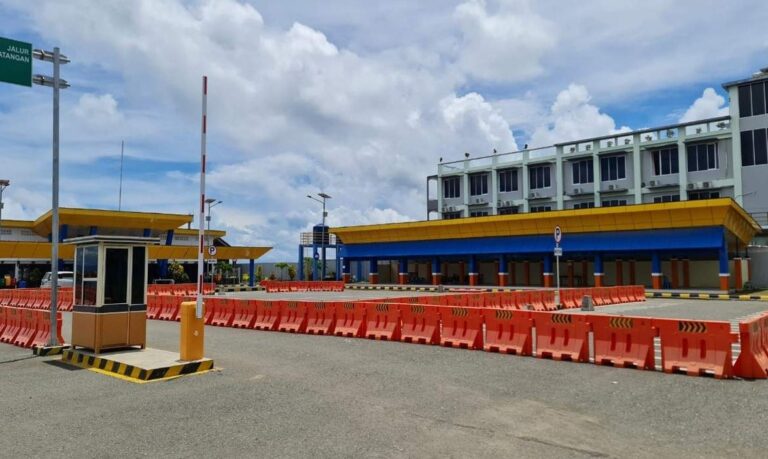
(673, 206)
(26, 244)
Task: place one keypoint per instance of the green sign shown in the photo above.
(15, 62)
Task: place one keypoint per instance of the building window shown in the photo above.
(452, 187)
(5, 231)
(702, 157)
(697, 195)
(582, 172)
(754, 147)
(507, 180)
(612, 168)
(666, 198)
(665, 161)
(508, 210)
(478, 184)
(584, 205)
(478, 213)
(541, 208)
(614, 202)
(753, 99)
(539, 177)
(451, 215)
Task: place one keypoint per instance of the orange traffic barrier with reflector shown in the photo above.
(244, 313)
(536, 299)
(421, 323)
(623, 341)
(3, 314)
(382, 321)
(462, 327)
(561, 336)
(350, 320)
(697, 347)
(12, 325)
(224, 311)
(508, 331)
(267, 315)
(293, 318)
(28, 330)
(568, 298)
(321, 318)
(169, 307)
(753, 359)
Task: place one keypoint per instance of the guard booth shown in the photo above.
(109, 305)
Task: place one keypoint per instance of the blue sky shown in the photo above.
(349, 97)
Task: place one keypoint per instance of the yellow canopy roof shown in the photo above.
(685, 214)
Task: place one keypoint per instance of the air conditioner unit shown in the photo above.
(653, 183)
(507, 203)
(691, 186)
(611, 187)
(573, 149)
(626, 141)
(588, 147)
(577, 191)
(478, 201)
(706, 184)
(610, 143)
(533, 194)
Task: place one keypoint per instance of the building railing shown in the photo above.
(316, 238)
(761, 218)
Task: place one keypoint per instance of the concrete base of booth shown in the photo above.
(136, 365)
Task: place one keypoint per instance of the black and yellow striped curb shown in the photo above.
(103, 364)
(238, 288)
(427, 289)
(49, 350)
(706, 296)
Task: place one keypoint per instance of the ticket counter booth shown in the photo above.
(109, 305)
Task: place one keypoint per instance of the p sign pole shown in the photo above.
(558, 253)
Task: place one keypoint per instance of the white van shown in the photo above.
(66, 279)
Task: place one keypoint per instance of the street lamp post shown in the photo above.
(3, 184)
(212, 202)
(324, 197)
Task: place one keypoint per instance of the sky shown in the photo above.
(355, 99)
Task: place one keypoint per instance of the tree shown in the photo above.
(259, 273)
(308, 268)
(177, 273)
(281, 266)
(292, 272)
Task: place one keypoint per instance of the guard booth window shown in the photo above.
(138, 273)
(116, 276)
(86, 275)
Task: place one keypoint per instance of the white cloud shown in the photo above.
(709, 105)
(572, 117)
(470, 114)
(506, 46)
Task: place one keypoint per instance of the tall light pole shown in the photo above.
(324, 196)
(212, 202)
(3, 184)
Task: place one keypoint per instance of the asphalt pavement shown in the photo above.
(287, 395)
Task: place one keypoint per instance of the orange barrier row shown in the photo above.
(26, 327)
(180, 289)
(536, 300)
(753, 359)
(302, 286)
(36, 298)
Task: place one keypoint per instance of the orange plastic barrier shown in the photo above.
(536, 299)
(696, 346)
(462, 327)
(153, 306)
(382, 321)
(188, 289)
(623, 341)
(350, 320)
(568, 298)
(624, 294)
(12, 325)
(321, 318)
(614, 295)
(293, 318)
(548, 299)
(508, 331)
(302, 286)
(601, 296)
(169, 309)
(753, 359)
(561, 336)
(267, 315)
(65, 299)
(43, 334)
(244, 313)
(28, 330)
(3, 314)
(421, 323)
(223, 311)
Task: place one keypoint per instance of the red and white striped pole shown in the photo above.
(201, 230)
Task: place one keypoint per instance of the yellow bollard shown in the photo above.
(192, 332)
